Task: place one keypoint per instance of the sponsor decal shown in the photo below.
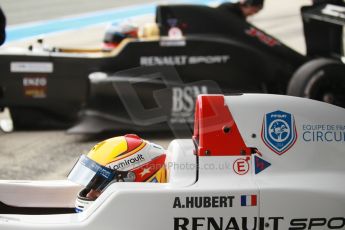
(260, 164)
(248, 200)
(172, 42)
(227, 223)
(31, 67)
(279, 131)
(181, 60)
(333, 10)
(183, 103)
(127, 162)
(241, 166)
(317, 223)
(256, 223)
(323, 133)
(204, 202)
(35, 86)
(264, 38)
(175, 33)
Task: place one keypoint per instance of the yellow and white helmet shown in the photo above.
(120, 159)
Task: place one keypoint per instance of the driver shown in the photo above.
(120, 159)
(243, 8)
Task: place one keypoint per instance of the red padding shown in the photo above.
(212, 121)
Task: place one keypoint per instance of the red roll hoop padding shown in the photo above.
(215, 131)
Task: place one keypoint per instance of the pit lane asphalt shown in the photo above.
(41, 155)
(51, 154)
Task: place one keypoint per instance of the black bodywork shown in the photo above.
(219, 52)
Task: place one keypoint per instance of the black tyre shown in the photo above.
(320, 79)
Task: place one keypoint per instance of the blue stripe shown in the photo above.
(243, 200)
(32, 30)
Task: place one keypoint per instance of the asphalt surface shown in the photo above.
(42, 155)
(51, 154)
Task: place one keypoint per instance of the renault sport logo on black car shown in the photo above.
(279, 131)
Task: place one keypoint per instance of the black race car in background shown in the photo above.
(148, 81)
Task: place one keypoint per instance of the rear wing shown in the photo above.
(323, 29)
(326, 13)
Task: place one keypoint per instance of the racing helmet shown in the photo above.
(115, 33)
(119, 159)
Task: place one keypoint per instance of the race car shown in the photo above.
(149, 81)
(255, 161)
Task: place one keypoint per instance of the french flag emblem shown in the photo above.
(248, 200)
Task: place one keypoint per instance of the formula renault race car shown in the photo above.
(191, 49)
(255, 162)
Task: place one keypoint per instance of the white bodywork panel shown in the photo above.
(299, 188)
(307, 181)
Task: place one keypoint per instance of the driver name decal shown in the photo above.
(204, 202)
(279, 131)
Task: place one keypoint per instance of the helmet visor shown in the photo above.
(90, 174)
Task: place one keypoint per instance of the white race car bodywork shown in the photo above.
(288, 174)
